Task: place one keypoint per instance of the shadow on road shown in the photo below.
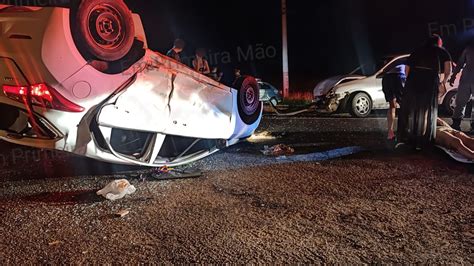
(64, 198)
(23, 163)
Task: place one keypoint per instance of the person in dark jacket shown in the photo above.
(175, 52)
(466, 85)
(419, 109)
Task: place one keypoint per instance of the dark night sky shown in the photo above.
(325, 37)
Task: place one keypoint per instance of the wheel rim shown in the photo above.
(106, 26)
(249, 100)
(362, 105)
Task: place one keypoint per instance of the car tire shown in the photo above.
(248, 102)
(449, 102)
(102, 29)
(360, 105)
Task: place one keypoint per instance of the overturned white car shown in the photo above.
(79, 78)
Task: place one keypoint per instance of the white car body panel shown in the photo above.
(64, 60)
(182, 107)
(370, 85)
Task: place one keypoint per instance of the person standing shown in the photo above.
(216, 75)
(175, 52)
(419, 109)
(466, 85)
(392, 84)
(200, 64)
(237, 74)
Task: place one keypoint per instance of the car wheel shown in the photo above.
(361, 105)
(248, 101)
(103, 29)
(274, 101)
(450, 102)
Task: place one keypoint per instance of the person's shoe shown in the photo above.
(402, 147)
(456, 124)
(391, 136)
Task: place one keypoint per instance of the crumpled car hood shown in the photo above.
(325, 86)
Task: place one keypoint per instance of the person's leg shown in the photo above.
(449, 141)
(391, 119)
(388, 89)
(402, 122)
(422, 124)
(462, 98)
(470, 114)
(468, 141)
(404, 112)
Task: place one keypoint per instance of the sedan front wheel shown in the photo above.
(361, 105)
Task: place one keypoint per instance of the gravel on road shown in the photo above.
(372, 207)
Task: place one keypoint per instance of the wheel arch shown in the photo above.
(350, 96)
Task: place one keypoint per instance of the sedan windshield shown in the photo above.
(369, 69)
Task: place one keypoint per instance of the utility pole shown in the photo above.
(286, 75)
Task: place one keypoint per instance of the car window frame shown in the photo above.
(384, 70)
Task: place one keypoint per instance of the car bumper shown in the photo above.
(328, 104)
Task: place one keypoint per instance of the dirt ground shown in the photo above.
(372, 207)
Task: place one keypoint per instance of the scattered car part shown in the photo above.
(122, 213)
(320, 156)
(278, 150)
(279, 112)
(117, 189)
(167, 173)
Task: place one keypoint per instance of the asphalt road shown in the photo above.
(374, 206)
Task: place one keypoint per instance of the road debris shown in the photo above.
(122, 213)
(55, 243)
(117, 189)
(304, 109)
(278, 150)
(167, 173)
(321, 156)
(261, 136)
(456, 156)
